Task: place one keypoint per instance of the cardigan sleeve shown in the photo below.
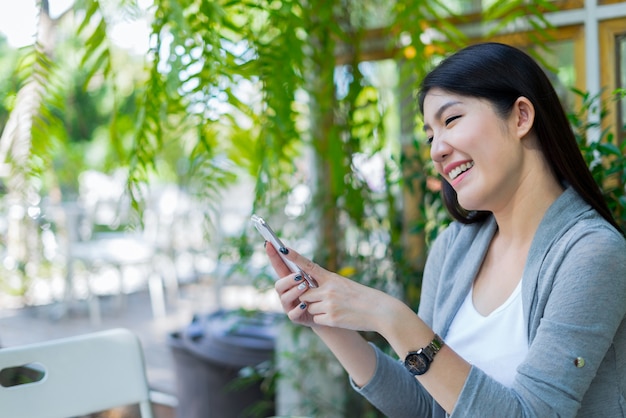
(394, 391)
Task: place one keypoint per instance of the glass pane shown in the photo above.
(464, 6)
(559, 59)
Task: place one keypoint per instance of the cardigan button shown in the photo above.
(579, 362)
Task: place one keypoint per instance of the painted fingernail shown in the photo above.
(303, 306)
(302, 286)
(284, 250)
(265, 244)
(298, 277)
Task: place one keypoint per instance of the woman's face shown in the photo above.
(473, 148)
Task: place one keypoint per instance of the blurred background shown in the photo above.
(139, 136)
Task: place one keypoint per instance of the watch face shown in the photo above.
(417, 363)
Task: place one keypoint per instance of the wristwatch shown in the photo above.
(418, 362)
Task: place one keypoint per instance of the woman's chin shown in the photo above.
(468, 203)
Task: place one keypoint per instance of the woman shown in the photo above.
(523, 303)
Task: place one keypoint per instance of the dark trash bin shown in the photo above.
(208, 357)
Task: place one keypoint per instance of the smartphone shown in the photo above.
(269, 235)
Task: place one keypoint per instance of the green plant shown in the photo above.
(605, 156)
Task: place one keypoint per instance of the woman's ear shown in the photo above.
(524, 116)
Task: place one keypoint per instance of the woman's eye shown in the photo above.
(452, 119)
(429, 140)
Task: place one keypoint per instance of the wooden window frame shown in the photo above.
(608, 31)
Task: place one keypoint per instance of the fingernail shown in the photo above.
(284, 250)
(298, 277)
(265, 244)
(303, 306)
(302, 286)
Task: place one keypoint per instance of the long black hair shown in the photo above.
(501, 74)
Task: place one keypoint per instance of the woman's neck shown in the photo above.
(519, 219)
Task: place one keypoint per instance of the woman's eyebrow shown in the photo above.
(440, 111)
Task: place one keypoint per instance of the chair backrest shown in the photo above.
(74, 376)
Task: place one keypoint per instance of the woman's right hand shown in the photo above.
(289, 288)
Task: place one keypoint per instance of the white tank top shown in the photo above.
(496, 343)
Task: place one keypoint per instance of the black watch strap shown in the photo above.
(433, 348)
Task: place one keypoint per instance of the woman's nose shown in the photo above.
(439, 149)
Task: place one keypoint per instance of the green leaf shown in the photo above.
(609, 149)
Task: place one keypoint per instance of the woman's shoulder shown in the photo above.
(571, 220)
(592, 234)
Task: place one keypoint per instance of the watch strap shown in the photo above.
(433, 347)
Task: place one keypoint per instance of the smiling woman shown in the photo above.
(521, 311)
(465, 74)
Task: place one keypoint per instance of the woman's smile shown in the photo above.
(454, 172)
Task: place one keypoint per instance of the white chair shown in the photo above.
(78, 375)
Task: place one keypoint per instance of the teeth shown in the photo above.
(460, 169)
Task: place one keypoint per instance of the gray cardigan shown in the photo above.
(574, 299)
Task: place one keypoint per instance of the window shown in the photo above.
(560, 59)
